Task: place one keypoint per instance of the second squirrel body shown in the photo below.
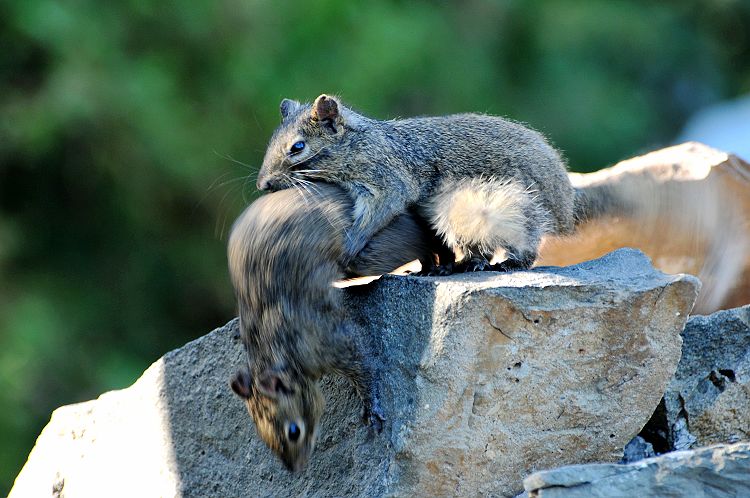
(481, 182)
(285, 252)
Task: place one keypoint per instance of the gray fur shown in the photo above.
(390, 166)
(285, 252)
(597, 201)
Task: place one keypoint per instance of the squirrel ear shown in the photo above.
(241, 382)
(287, 107)
(326, 110)
(273, 382)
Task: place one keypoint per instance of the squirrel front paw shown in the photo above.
(373, 416)
(352, 246)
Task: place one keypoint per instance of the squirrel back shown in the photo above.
(388, 167)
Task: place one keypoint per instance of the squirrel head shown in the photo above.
(286, 409)
(310, 144)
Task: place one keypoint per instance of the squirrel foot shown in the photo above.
(373, 416)
(436, 271)
(511, 264)
(472, 264)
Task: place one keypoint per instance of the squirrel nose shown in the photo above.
(270, 184)
(264, 184)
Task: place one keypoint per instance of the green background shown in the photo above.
(131, 132)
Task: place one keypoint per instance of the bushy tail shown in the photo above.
(593, 202)
(699, 227)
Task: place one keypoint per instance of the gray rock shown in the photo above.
(717, 471)
(637, 449)
(708, 401)
(486, 378)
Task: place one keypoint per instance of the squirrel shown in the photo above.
(285, 252)
(482, 183)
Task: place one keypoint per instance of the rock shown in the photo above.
(708, 401)
(687, 208)
(718, 471)
(486, 378)
(637, 449)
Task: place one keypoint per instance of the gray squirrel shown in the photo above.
(284, 252)
(482, 183)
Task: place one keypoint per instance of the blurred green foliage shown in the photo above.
(130, 133)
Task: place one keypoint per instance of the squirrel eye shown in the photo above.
(294, 432)
(297, 147)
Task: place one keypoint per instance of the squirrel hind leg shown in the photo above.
(439, 260)
(476, 217)
(516, 261)
(473, 263)
(523, 257)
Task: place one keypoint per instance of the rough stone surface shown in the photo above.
(637, 449)
(486, 378)
(688, 209)
(716, 472)
(708, 401)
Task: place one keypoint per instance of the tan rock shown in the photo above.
(689, 211)
(485, 379)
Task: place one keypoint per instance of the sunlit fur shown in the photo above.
(484, 214)
(284, 255)
(388, 166)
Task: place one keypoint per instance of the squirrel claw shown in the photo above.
(436, 271)
(510, 265)
(443, 270)
(473, 264)
(374, 417)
